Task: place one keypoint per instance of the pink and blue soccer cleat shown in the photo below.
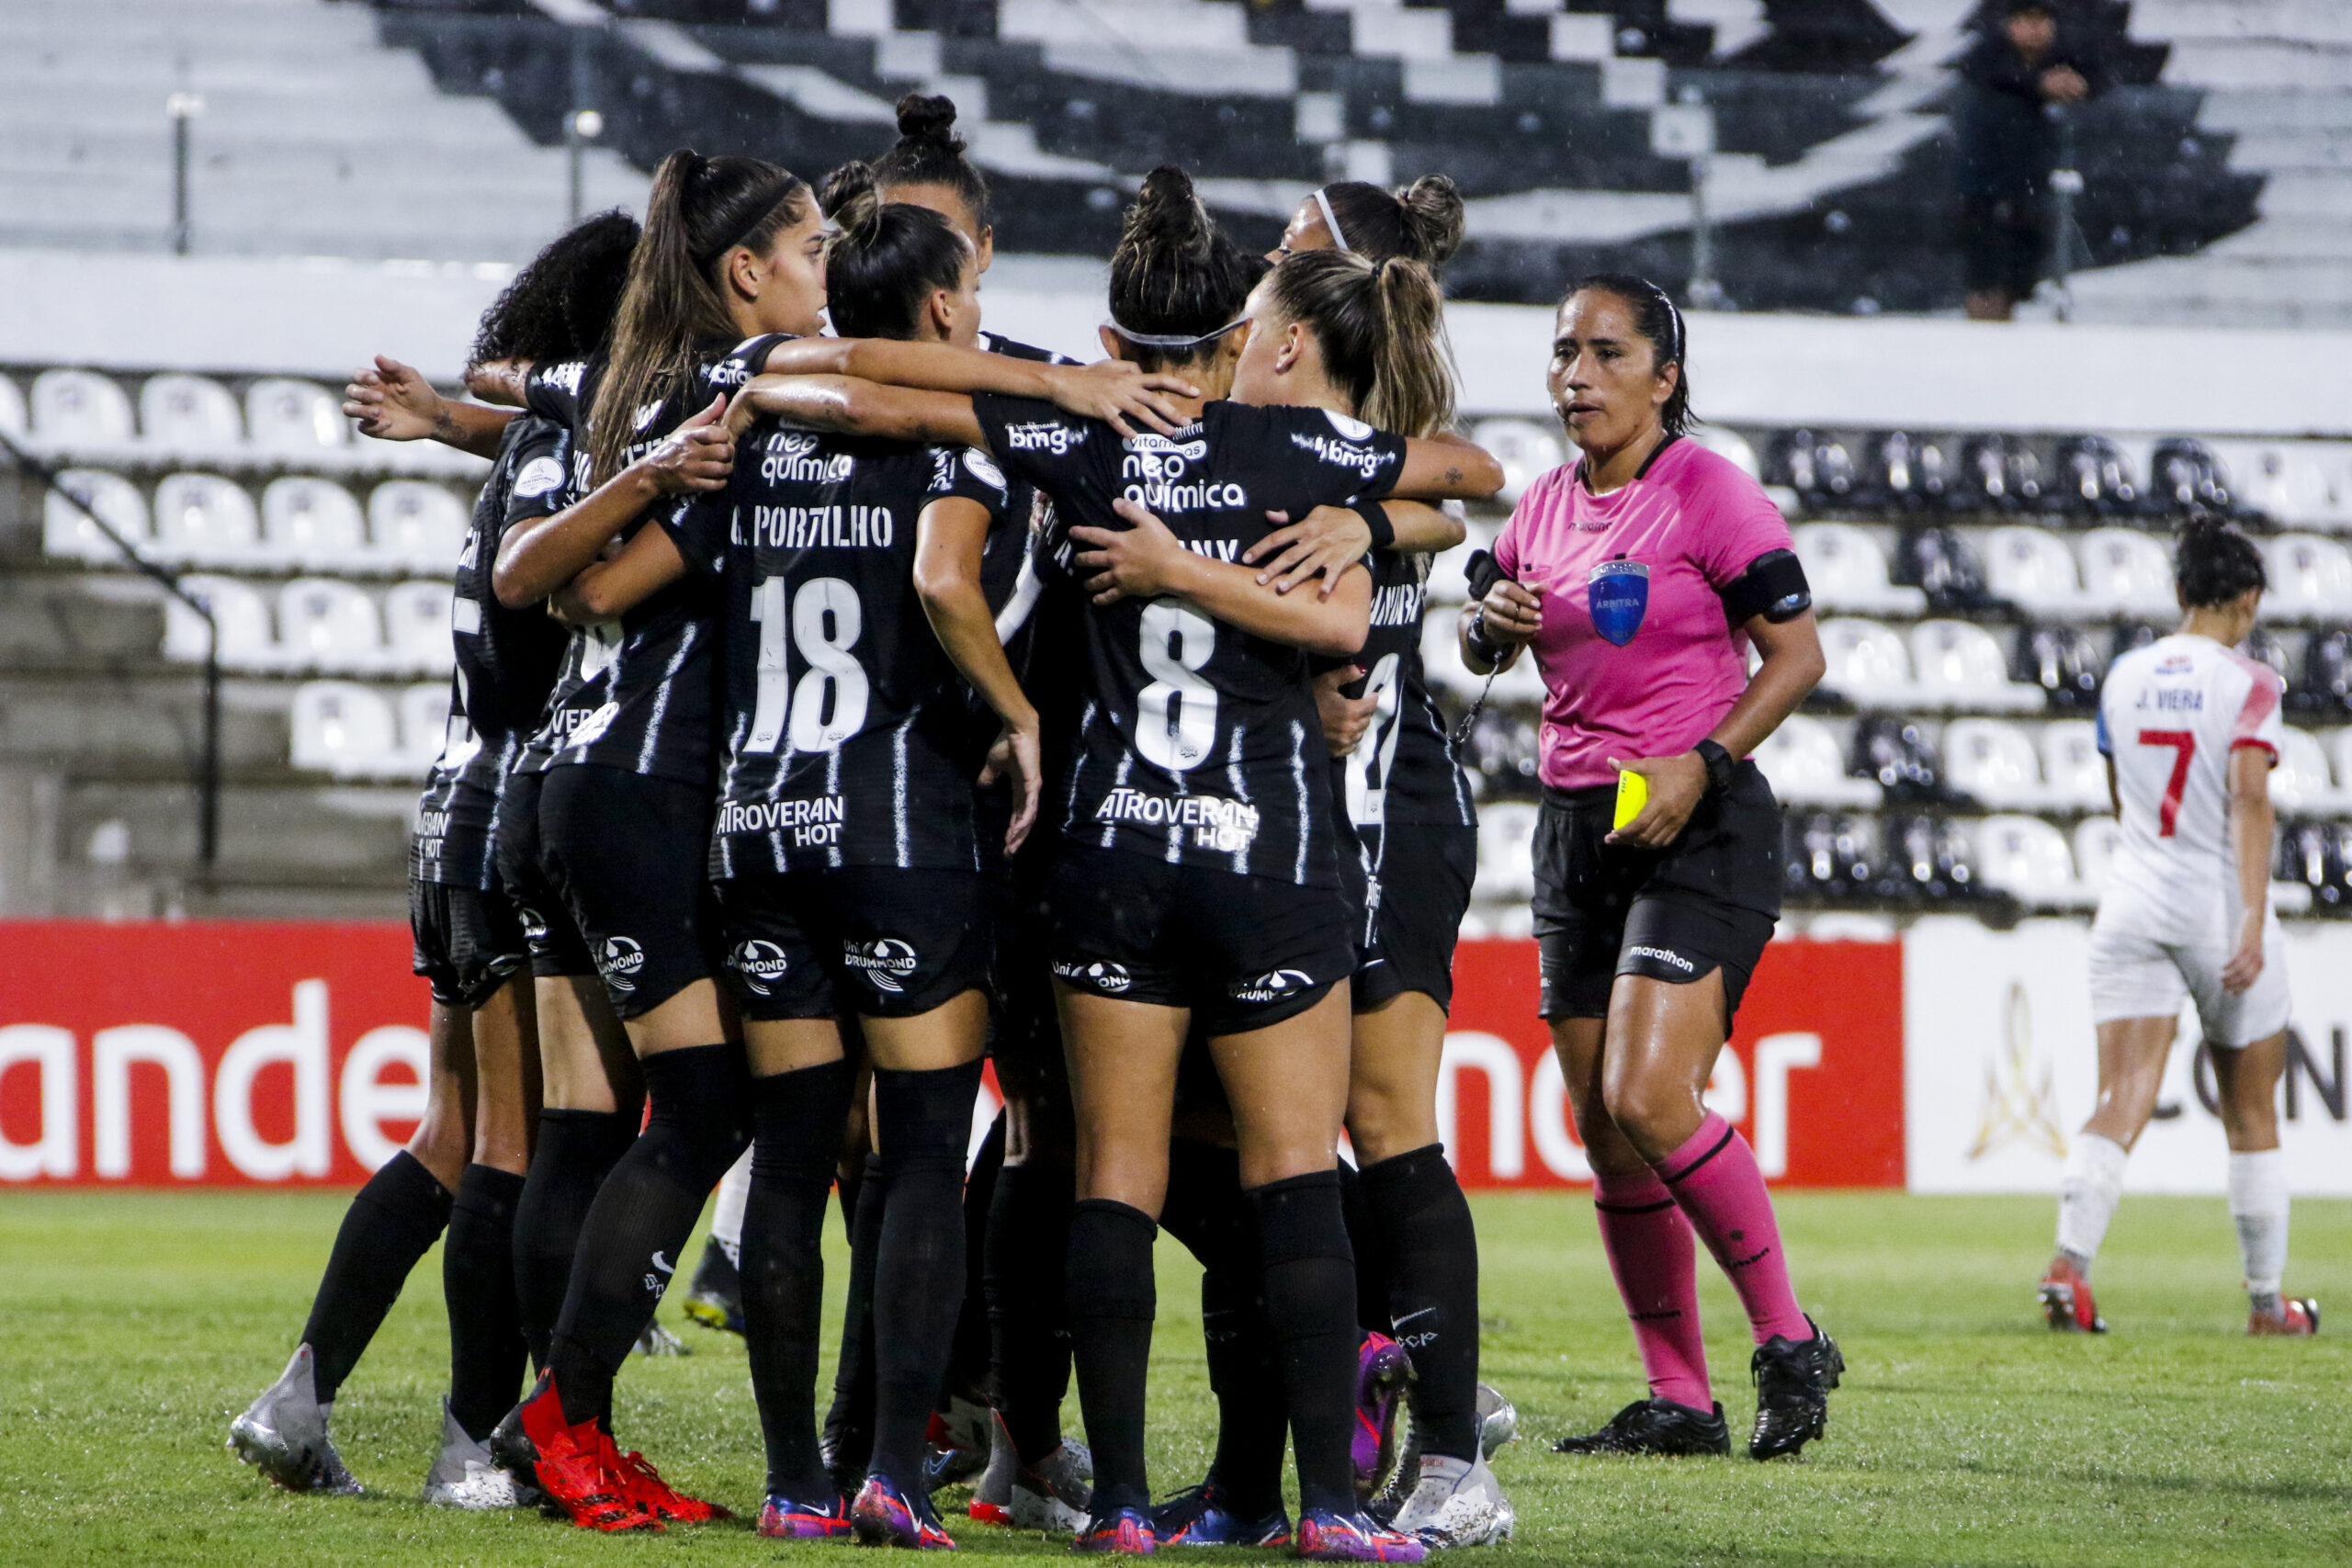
(884, 1515)
(1328, 1537)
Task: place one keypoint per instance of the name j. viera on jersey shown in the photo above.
(1227, 826)
(814, 528)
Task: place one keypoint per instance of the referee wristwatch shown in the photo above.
(1719, 765)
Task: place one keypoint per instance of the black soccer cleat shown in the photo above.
(1793, 1378)
(1655, 1427)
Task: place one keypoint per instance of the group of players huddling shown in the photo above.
(832, 711)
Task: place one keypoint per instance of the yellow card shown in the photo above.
(1632, 794)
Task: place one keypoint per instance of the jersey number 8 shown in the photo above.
(1176, 715)
(828, 705)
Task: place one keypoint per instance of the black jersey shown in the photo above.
(1197, 743)
(846, 735)
(1404, 773)
(636, 693)
(506, 662)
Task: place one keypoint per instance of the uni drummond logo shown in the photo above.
(885, 961)
(1108, 978)
(620, 959)
(1273, 986)
(760, 963)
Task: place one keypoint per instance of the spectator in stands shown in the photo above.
(2015, 85)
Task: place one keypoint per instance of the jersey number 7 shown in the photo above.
(2184, 745)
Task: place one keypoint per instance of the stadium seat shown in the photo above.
(1992, 759)
(313, 525)
(1442, 662)
(1507, 850)
(246, 642)
(1911, 472)
(2299, 783)
(2126, 572)
(1847, 572)
(2095, 478)
(12, 409)
(330, 625)
(1959, 665)
(416, 626)
(1526, 450)
(2000, 473)
(2072, 768)
(2310, 579)
(418, 526)
(2184, 474)
(2340, 743)
(1897, 755)
(1727, 443)
(2032, 568)
(2027, 858)
(1502, 755)
(190, 414)
(80, 410)
(1806, 767)
(2290, 483)
(425, 724)
(1868, 664)
(1942, 564)
(205, 520)
(2064, 661)
(294, 417)
(1448, 584)
(346, 730)
(2096, 840)
(67, 532)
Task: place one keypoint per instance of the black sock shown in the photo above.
(1310, 1299)
(967, 1361)
(799, 1116)
(1028, 1243)
(642, 1215)
(576, 1150)
(849, 1424)
(1431, 1249)
(1206, 1211)
(486, 1349)
(394, 1220)
(1363, 1238)
(1111, 1299)
(925, 1120)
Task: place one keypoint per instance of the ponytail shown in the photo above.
(1423, 222)
(2215, 563)
(929, 152)
(1177, 281)
(886, 260)
(1381, 326)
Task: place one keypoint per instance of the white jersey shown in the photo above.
(2170, 717)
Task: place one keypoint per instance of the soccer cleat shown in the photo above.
(1383, 1371)
(1125, 1531)
(715, 1299)
(1457, 1503)
(1054, 1494)
(1497, 1420)
(466, 1476)
(575, 1466)
(1793, 1380)
(1655, 1427)
(659, 1341)
(283, 1434)
(992, 1493)
(958, 1442)
(884, 1515)
(2297, 1318)
(2066, 1302)
(657, 1497)
(1200, 1516)
(786, 1518)
(1328, 1537)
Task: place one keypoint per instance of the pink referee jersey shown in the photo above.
(1637, 657)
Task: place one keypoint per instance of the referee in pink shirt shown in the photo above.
(1640, 573)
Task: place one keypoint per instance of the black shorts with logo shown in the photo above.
(1707, 901)
(1419, 894)
(1025, 1029)
(876, 941)
(625, 853)
(556, 946)
(466, 941)
(1241, 952)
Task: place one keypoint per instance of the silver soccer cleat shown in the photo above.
(1057, 1495)
(1456, 1504)
(466, 1476)
(659, 1341)
(1497, 1420)
(283, 1434)
(992, 1493)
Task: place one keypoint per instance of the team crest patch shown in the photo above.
(1618, 592)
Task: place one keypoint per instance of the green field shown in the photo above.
(133, 1328)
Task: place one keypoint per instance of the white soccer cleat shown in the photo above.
(466, 1476)
(1055, 1495)
(992, 1493)
(1497, 1419)
(659, 1341)
(283, 1434)
(1457, 1503)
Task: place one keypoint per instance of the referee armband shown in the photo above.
(1773, 586)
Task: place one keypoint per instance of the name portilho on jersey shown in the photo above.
(816, 528)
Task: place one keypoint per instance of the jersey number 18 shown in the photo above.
(828, 705)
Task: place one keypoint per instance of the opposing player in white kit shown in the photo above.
(2190, 729)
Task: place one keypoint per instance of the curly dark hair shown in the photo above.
(2215, 563)
(561, 305)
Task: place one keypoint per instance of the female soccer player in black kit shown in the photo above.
(483, 1088)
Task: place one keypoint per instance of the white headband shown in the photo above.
(1175, 340)
(1332, 219)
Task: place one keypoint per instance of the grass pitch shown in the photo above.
(133, 1326)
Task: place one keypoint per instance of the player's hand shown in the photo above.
(698, 456)
(1324, 544)
(1117, 392)
(2065, 84)
(741, 410)
(1017, 758)
(1345, 718)
(565, 607)
(392, 401)
(1137, 562)
(2245, 966)
(1676, 786)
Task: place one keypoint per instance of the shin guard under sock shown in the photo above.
(799, 1116)
(392, 1221)
(1027, 1243)
(486, 1349)
(1655, 1260)
(1111, 1299)
(849, 1423)
(1206, 1211)
(575, 1151)
(925, 1120)
(1310, 1292)
(1430, 1246)
(1715, 1181)
(968, 1362)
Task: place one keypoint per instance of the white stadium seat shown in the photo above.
(416, 626)
(2301, 783)
(1526, 450)
(346, 730)
(2310, 579)
(1448, 584)
(331, 625)
(2096, 841)
(2071, 766)
(190, 413)
(1847, 571)
(12, 409)
(68, 533)
(1992, 759)
(1805, 766)
(1868, 664)
(425, 724)
(2125, 572)
(294, 417)
(2032, 568)
(313, 525)
(1442, 663)
(1959, 665)
(2340, 743)
(418, 526)
(205, 520)
(80, 410)
(2027, 858)
(243, 614)
(1506, 850)
(1724, 442)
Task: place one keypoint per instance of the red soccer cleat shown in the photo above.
(575, 1465)
(2298, 1318)
(2066, 1300)
(657, 1497)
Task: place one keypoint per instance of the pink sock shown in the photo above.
(1651, 1253)
(1713, 1178)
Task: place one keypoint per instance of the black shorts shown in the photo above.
(1024, 1029)
(557, 947)
(1418, 897)
(625, 856)
(1241, 952)
(874, 941)
(2001, 243)
(466, 941)
(1708, 901)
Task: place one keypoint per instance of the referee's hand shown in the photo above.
(1676, 786)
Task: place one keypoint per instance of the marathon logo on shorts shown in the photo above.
(1618, 594)
(1664, 955)
(1044, 436)
(885, 961)
(620, 959)
(1273, 986)
(760, 963)
(1228, 827)
(812, 824)
(1108, 978)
